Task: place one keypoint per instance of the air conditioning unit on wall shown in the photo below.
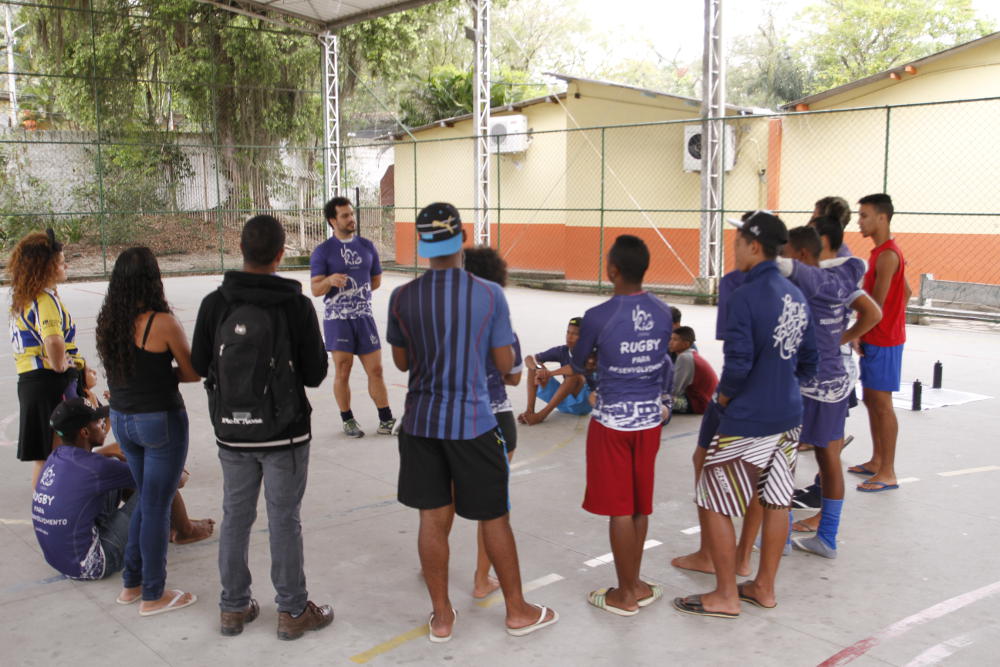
(509, 134)
(692, 147)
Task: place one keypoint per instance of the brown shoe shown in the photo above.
(232, 621)
(311, 618)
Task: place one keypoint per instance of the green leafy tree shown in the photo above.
(857, 38)
(766, 69)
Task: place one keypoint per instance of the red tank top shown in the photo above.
(891, 331)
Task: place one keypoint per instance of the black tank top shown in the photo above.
(152, 387)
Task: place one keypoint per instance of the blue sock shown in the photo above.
(788, 538)
(347, 415)
(829, 521)
(384, 414)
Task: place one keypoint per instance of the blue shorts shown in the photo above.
(881, 367)
(822, 422)
(357, 336)
(571, 405)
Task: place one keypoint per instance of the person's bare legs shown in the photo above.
(432, 545)
(372, 363)
(748, 535)
(342, 364)
(532, 393)
(36, 472)
(482, 583)
(699, 561)
(885, 429)
(627, 535)
(184, 530)
(570, 385)
(720, 539)
(772, 544)
(831, 474)
(502, 551)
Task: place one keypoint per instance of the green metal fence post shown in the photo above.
(885, 161)
(416, 210)
(498, 192)
(600, 248)
(101, 212)
(218, 164)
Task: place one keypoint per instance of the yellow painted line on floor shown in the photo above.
(384, 647)
(532, 585)
(554, 448)
(968, 471)
(15, 522)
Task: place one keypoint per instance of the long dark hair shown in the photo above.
(135, 288)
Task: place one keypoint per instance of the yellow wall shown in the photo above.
(942, 157)
(533, 180)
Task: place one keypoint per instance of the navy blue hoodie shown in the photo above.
(769, 348)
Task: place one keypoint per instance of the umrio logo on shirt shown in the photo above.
(641, 320)
(350, 257)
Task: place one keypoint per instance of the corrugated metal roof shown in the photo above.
(319, 14)
(881, 76)
(507, 108)
(647, 91)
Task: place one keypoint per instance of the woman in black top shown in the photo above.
(138, 339)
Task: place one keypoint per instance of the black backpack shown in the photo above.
(254, 390)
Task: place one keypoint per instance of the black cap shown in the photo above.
(439, 230)
(575, 321)
(762, 226)
(73, 414)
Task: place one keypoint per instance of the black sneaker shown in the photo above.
(807, 498)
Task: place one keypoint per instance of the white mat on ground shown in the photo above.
(934, 398)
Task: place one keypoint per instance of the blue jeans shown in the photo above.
(113, 525)
(155, 446)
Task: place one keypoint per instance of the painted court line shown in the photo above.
(907, 480)
(968, 471)
(532, 585)
(608, 557)
(693, 530)
(898, 628)
(421, 630)
(15, 522)
(939, 652)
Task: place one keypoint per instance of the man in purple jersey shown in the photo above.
(629, 335)
(831, 285)
(345, 270)
(443, 326)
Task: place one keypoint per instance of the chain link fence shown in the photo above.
(193, 163)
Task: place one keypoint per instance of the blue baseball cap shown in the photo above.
(439, 230)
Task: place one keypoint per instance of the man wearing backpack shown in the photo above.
(257, 341)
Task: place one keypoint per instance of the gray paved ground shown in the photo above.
(902, 554)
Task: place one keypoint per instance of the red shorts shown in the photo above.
(620, 470)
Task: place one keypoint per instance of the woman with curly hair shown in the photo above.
(138, 339)
(43, 335)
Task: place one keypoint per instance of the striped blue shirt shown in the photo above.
(448, 321)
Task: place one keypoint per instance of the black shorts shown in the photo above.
(472, 473)
(508, 428)
(38, 394)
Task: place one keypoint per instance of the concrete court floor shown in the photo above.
(902, 553)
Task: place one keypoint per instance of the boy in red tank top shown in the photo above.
(882, 348)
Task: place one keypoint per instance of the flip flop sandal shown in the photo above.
(802, 527)
(173, 605)
(860, 470)
(692, 605)
(599, 599)
(745, 597)
(537, 625)
(650, 599)
(435, 639)
(120, 601)
(879, 487)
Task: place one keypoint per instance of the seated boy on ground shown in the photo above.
(570, 395)
(694, 378)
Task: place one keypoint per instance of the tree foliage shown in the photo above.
(765, 68)
(853, 39)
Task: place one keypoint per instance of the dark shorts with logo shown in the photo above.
(358, 336)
